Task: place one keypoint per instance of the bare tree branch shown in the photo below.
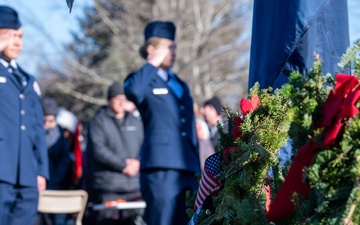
(79, 95)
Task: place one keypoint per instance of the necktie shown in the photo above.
(174, 85)
(21, 78)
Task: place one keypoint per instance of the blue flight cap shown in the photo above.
(9, 18)
(160, 29)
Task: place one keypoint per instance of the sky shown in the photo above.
(47, 26)
(354, 19)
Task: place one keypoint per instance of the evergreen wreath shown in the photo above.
(320, 184)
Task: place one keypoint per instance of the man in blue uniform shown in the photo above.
(169, 157)
(23, 154)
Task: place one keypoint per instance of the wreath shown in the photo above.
(289, 156)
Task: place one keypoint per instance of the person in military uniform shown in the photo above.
(23, 154)
(170, 154)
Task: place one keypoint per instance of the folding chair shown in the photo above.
(68, 201)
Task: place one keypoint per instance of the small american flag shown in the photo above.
(209, 184)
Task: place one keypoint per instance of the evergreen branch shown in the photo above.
(349, 54)
(236, 169)
(227, 111)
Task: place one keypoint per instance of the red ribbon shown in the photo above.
(339, 105)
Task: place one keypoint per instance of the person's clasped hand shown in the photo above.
(132, 167)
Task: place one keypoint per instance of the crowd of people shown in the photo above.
(133, 150)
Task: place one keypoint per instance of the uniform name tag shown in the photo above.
(2, 79)
(160, 91)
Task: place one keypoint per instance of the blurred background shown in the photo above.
(75, 56)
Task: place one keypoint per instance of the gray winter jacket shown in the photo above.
(109, 145)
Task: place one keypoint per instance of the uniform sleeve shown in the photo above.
(100, 151)
(136, 83)
(41, 148)
(140, 135)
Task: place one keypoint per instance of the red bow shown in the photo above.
(246, 106)
(339, 105)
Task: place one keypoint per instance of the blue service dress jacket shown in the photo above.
(286, 34)
(170, 139)
(23, 151)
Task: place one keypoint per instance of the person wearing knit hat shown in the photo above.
(50, 109)
(114, 142)
(215, 103)
(115, 89)
(116, 99)
(23, 155)
(212, 114)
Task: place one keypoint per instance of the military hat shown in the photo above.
(162, 29)
(9, 18)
